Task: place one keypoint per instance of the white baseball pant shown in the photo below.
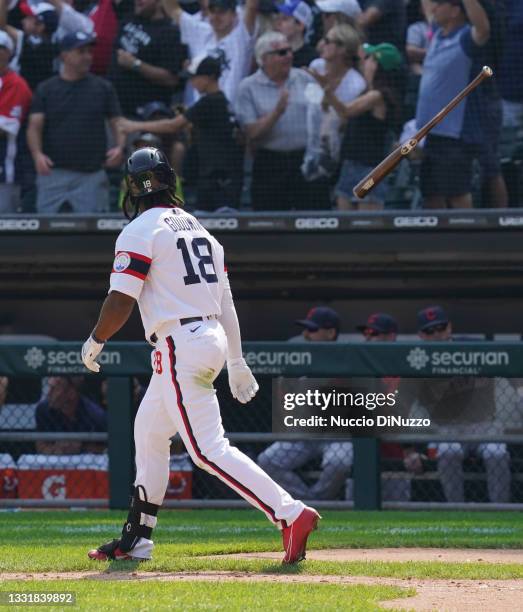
(495, 456)
(181, 398)
(281, 459)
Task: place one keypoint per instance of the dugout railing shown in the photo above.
(95, 468)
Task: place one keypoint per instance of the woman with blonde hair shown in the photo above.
(369, 121)
(336, 70)
(339, 60)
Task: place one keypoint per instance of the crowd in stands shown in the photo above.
(260, 105)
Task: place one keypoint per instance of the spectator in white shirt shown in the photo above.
(226, 34)
(338, 62)
(336, 68)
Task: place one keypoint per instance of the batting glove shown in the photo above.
(241, 381)
(90, 351)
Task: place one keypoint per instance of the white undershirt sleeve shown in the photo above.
(229, 321)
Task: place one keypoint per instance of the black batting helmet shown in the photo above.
(148, 171)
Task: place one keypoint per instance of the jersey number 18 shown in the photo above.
(202, 250)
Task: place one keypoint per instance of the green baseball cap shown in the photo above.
(386, 54)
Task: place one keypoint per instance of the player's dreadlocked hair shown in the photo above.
(131, 205)
(150, 180)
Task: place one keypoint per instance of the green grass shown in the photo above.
(58, 541)
(199, 532)
(70, 559)
(213, 595)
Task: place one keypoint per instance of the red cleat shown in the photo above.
(110, 552)
(295, 536)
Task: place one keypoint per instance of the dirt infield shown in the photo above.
(443, 555)
(440, 595)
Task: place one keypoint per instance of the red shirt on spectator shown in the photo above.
(106, 27)
(15, 98)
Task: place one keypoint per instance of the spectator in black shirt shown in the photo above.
(510, 78)
(148, 57)
(220, 156)
(369, 117)
(494, 189)
(384, 21)
(294, 20)
(65, 409)
(67, 133)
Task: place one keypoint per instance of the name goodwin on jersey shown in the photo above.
(180, 223)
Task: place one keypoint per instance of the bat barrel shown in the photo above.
(389, 163)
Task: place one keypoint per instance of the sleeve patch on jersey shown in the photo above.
(121, 262)
(134, 264)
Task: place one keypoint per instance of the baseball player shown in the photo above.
(167, 262)
(282, 459)
(461, 405)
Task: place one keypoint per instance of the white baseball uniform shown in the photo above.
(175, 270)
(237, 48)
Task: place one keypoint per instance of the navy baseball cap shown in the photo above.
(381, 323)
(76, 40)
(298, 9)
(320, 317)
(204, 65)
(431, 316)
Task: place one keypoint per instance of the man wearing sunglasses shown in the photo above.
(271, 103)
(462, 405)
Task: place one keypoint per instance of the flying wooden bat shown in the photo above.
(389, 163)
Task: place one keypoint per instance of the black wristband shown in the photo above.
(97, 339)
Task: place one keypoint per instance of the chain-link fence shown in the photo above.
(474, 453)
(54, 442)
(55, 448)
(64, 153)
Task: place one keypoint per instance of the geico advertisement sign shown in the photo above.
(225, 223)
(312, 223)
(510, 221)
(19, 225)
(111, 224)
(415, 221)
